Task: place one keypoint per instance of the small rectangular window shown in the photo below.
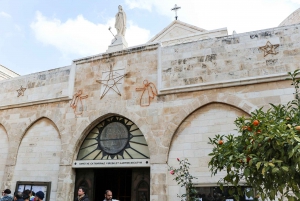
(35, 187)
(214, 193)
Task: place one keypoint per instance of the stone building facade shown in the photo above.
(6, 73)
(200, 82)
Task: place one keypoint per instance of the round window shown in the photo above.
(113, 138)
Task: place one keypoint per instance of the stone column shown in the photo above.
(8, 177)
(158, 182)
(7, 181)
(66, 183)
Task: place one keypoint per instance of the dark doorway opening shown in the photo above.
(126, 184)
(118, 180)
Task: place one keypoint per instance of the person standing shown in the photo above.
(82, 196)
(108, 196)
(18, 196)
(6, 195)
(26, 197)
(27, 193)
(32, 196)
(39, 196)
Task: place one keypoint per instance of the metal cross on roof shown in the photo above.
(175, 9)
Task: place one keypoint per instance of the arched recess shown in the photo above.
(38, 156)
(115, 137)
(3, 152)
(90, 127)
(191, 139)
(111, 138)
(201, 101)
(17, 133)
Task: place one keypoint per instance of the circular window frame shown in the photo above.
(127, 151)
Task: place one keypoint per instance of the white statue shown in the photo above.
(120, 24)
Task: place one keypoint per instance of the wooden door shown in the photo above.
(140, 190)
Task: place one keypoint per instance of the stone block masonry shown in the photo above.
(202, 87)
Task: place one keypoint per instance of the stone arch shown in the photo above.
(4, 147)
(16, 142)
(6, 127)
(39, 150)
(191, 140)
(38, 119)
(134, 118)
(52, 116)
(186, 111)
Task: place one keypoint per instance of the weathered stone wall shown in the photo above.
(165, 121)
(191, 141)
(293, 18)
(47, 86)
(6, 73)
(3, 151)
(233, 59)
(38, 155)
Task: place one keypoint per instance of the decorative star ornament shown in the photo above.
(21, 91)
(269, 48)
(111, 82)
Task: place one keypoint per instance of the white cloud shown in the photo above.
(241, 15)
(295, 1)
(136, 35)
(142, 4)
(81, 37)
(4, 14)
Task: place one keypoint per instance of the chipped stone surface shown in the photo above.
(40, 87)
(42, 126)
(216, 60)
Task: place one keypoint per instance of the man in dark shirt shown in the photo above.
(82, 196)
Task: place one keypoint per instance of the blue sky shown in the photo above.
(37, 35)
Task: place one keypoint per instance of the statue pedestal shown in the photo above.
(117, 45)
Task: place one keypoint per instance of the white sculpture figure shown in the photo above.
(120, 24)
(119, 43)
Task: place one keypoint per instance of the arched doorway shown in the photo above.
(113, 156)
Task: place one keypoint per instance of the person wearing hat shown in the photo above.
(7, 195)
(39, 196)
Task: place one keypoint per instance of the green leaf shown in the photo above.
(285, 168)
(274, 170)
(249, 193)
(258, 165)
(263, 171)
(221, 187)
(271, 164)
(272, 194)
(246, 172)
(291, 153)
(297, 138)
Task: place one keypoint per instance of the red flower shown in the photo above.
(172, 172)
(178, 159)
